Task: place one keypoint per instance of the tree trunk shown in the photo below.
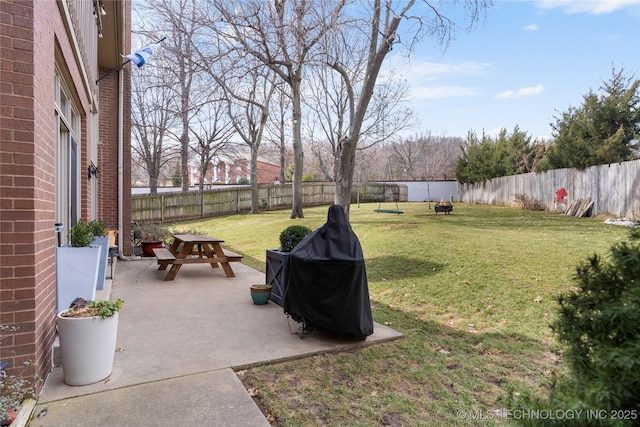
(298, 154)
(346, 160)
(255, 205)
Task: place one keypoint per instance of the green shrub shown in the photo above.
(80, 235)
(291, 236)
(599, 328)
(96, 228)
(83, 233)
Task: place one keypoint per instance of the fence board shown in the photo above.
(218, 201)
(614, 189)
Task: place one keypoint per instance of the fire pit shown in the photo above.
(445, 207)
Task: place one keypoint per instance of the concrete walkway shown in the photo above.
(179, 345)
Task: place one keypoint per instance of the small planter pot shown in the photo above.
(88, 347)
(260, 294)
(148, 247)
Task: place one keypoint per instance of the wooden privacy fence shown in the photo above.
(167, 207)
(614, 189)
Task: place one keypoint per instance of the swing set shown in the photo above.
(394, 194)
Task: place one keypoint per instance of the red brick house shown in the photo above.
(64, 151)
(268, 173)
(227, 171)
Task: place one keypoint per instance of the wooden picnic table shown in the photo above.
(195, 249)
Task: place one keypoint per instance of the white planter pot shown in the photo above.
(76, 274)
(88, 347)
(103, 243)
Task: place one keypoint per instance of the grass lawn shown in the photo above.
(473, 293)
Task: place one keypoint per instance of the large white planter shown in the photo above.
(76, 274)
(88, 346)
(103, 243)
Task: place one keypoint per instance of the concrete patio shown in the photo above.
(179, 345)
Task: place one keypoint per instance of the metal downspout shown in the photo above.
(120, 157)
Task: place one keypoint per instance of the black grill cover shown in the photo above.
(327, 282)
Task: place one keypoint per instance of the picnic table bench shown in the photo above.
(195, 249)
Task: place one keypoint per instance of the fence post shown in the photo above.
(162, 208)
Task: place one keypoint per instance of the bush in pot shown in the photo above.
(97, 229)
(153, 236)
(291, 236)
(81, 267)
(80, 235)
(88, 331)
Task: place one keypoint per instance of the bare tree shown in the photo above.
(277, 127)
(406, 158)
(150, 119)
(383, 25)
(248, 110)
(441, 157)
(281, 36)
(177, 19)
(212, 131)
(330, 92)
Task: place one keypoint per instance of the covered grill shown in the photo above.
(327, 285)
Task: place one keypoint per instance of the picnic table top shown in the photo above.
(199, 238)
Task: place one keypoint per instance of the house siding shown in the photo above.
(33, 38)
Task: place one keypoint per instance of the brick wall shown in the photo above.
(108, 153)
(267, 173)
(27, 203)
(33, 39)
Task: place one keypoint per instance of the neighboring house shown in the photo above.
(268, 173)
(227, 171)
(64, 151)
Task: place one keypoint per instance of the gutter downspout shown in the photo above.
(120, 156)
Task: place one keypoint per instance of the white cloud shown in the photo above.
(525, 91)
(430, 80)
(418, 93)
(420, 71)
(531, 27)
(594, 7)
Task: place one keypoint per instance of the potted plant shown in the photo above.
(97, 229)
(260, 294)
(277, 260)
(77, 265)
(153, 236)
(87, 333)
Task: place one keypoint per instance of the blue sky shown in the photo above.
(524, 63)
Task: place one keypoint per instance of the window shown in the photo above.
(67, 124)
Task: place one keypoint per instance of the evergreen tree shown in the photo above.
(604, 129)
(508, 154)
(176, 178)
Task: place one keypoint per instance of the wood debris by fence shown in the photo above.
(580, 207)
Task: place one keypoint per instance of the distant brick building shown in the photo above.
(268, 173)
(64, 151)
(227, 171)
